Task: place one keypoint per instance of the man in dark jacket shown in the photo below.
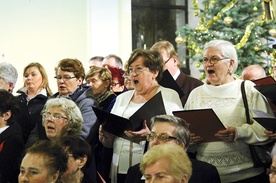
(171, 129)
(171, 63)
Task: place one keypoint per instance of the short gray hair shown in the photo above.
(227, 49)
(8, 72)
(72, 111)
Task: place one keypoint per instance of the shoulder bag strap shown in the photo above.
(245, 103)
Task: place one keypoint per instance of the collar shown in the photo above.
(3, 129)
(175, 76)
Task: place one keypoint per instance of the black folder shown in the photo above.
(116, 125)
(202, 122)
(264, 81)
(266, 120)
(168, 82)
(153, 107)
(269, 91)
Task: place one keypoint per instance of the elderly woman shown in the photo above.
(100, 79)
(70, 75)
(44, 162)
(145, 70)
(32, 97)
(61, 117)
(166, 163)
(222, 93)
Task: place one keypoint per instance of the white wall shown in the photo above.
(110, 28)
(47, 31)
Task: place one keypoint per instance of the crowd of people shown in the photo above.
(57, 137)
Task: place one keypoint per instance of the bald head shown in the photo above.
(253, 72)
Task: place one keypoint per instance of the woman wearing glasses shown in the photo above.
(145, 70)
(61, 117)
(222, 93)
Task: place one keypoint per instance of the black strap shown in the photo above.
(245, 103)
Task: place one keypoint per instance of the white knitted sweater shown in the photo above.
(232, 159)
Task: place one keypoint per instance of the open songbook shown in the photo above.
(202, 122)
(116, 125)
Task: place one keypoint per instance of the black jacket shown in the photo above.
(11, 149)
(202, 173)
(29, 115)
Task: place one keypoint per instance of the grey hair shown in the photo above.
(182, 132)
(72, 111)
(227, 48)
(8, 72)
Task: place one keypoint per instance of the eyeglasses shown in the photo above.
(114, 84)
(272, 170)
(55, 116)
(138, 70)
(163, 137)
(64, 78)
(167, 60)
(126, 75)
(213, 60)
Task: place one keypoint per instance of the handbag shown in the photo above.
(260, 154)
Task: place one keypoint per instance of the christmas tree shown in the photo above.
(242, 22)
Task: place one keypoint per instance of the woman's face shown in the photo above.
(68, 82)
(217, 73)
(33, 78)
(56, 124)
(33, 170)
(99, 86)
(72, 168)
(160, 172)
(142, 78)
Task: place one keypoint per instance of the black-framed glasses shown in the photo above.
(212, 60)
(65, 78)
(137, 70)
(114, 84)
(163, 137)
(272, 170)
(167, 60)
(55, 116)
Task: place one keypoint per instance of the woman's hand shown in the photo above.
(139, 136)
(105, 137)
(228, 135)
(195, 139)
(270, 134)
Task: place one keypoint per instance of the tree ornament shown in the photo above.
(272, 32)
(213, 2)
(201, 28)
(215, 18)
(179, 39)
(256, 48)
(195, 14)
(228, 20)
(197, 64)
(255, 8)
